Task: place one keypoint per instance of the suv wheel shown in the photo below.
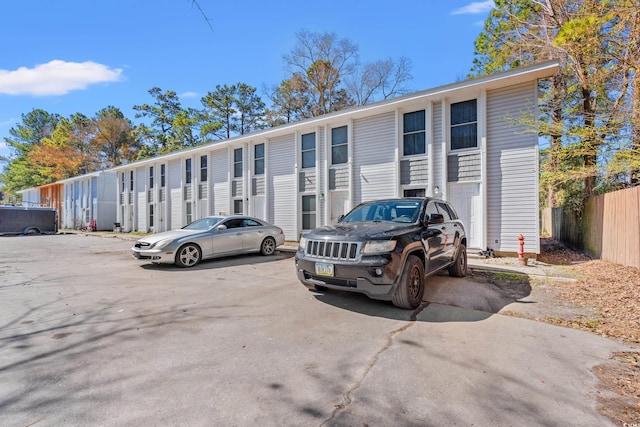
(459, 266)
(411, 286)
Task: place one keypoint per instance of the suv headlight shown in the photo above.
(379, 246)
(303, 242)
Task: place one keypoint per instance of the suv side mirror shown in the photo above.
(436, 218)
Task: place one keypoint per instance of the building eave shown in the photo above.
(493, 81)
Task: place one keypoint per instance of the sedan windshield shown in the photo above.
(203, 224)
(404, 211)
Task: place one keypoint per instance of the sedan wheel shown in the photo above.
(188, 255)
(268, 246)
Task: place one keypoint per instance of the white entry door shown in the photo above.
(466, 200)
(203, 208)
(339, 205)
(259, 208)
(162, 226)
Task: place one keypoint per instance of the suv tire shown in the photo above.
(411, 286)
(459, 266)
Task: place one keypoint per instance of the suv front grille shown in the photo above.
(348, 251)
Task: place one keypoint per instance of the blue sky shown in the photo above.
(69, 56)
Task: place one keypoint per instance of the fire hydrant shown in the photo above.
(521, 259)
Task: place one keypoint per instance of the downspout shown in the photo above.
(444, 191)
(296, 174)
(482, 133)
(325, 183)
(350, 162)
(267, 193)
(396, 152)
(429, 141)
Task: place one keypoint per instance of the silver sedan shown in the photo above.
(210, 237)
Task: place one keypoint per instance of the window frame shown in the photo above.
(341, 146)
(406, 133)
(414, 192)
(461, 125)
(237, 164)
(151, 214)
(204, 165)
(258, 162)
(188, 211)
(311, 215)
(236, 203)
(188, 171)
(304, 151)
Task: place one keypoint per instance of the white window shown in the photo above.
(258, 159)
(237, 163)
(309, 150)
(308, 212)
(339, 151)
(187, 171)
(414, 133)
(464, 125)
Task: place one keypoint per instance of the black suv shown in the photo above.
(385, 249)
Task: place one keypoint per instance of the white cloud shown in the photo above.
(8, 122)
(56, 78)
(475, 8)
(189, 95)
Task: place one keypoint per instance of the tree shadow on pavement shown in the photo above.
(481, 294)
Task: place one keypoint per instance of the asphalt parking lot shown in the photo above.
(90, 336)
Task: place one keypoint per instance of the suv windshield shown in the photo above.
(405, 211)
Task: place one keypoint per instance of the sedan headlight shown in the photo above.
(378, 246)
(162, 243)
(303, 242)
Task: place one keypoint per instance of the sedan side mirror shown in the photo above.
(340, 218)
(222, 227)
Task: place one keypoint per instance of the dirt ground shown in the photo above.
(602, 298)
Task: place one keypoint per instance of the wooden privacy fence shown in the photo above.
(609, 230)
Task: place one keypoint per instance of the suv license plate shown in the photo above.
(323, 269)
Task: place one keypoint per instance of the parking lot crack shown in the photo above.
(346, 396)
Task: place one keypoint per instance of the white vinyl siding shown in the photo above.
(282, 185)
(438, 141)
(501, 174)
(512, 170)
(219, 178)
(141, 199)
(374, 157)
(321, 160)
(176, 198)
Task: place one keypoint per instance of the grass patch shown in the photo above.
(509, 276)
